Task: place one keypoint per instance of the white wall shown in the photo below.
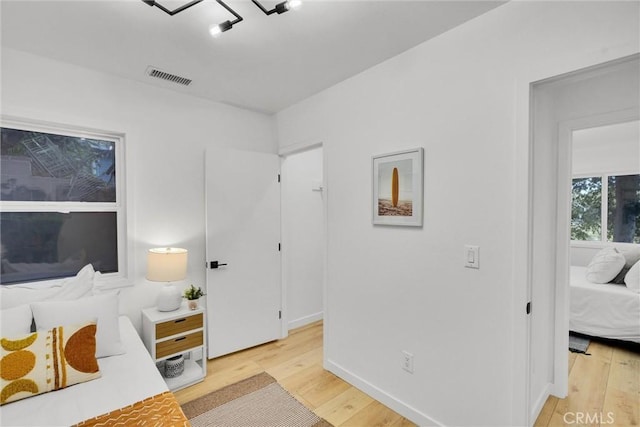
(166, 134)
(303, 236)
(607, 149)
(463, 97)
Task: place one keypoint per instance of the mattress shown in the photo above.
(126, 379)
(603, 310)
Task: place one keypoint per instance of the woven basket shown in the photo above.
(174, 366)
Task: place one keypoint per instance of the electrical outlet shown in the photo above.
(407, 361)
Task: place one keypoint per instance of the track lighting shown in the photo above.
(280, 7)
(174, 11)
(215, 30)
(218, 29)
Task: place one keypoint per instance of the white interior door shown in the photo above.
(244, 296)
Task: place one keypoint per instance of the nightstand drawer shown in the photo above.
(177, 326)
(178, 344)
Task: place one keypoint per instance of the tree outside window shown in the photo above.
(621, 219)
(623, 210)
(61, 206)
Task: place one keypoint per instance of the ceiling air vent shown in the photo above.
(154, 72)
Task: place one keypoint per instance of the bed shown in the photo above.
(85, 352)
(126, 379)
(603, 310)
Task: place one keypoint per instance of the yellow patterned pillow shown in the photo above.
(47, 360)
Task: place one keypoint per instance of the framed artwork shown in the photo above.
(397, 188)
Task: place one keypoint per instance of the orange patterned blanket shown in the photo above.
(160, 410)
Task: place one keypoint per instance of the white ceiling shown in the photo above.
(264, 63)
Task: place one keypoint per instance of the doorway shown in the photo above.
(303, 236)
(597, 96)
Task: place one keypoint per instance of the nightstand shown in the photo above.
(173, 333)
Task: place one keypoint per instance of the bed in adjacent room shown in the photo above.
(604, 310)
(599, 306)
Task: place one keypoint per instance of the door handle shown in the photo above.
(215, 264)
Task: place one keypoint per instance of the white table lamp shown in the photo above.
(167, 265)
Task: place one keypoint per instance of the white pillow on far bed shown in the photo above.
(632, 279)
(605, 265)
(15, 321)
(631, 255)
(49, 314)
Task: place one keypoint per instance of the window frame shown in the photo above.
(108, 280)
(604, 209)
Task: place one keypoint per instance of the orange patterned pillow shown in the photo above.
(47, 360)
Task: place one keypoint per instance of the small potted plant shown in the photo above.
(193, 294)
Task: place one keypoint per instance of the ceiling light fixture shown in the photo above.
(216, 30)
(280, 7)
(174, 11)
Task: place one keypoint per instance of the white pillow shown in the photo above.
(14, 296)
(632, 279)
(605, 265)
(78, 286)
(15, 321)
(71, 288)
(104, 308)
(631, 255)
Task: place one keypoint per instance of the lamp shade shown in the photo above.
(166, 264)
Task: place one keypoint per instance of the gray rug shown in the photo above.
(578, 343)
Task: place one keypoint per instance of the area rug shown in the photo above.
(258, 401)
(578, 343)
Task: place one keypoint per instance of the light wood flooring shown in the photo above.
(604, 390)
(296, 363)
(606, 381)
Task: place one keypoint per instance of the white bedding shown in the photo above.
(603, 310)
(126, 379)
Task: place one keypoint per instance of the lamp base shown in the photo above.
(169, 298)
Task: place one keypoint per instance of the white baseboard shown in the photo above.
(400, 407)
(302, 321)
(539, 403)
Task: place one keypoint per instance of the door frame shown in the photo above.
(523, 410)
(560, 384)
(283, 153)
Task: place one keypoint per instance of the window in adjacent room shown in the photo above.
(61, 203)
(623, 208)
(619, 221)
(606, 183)
(586, 209)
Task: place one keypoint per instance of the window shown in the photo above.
(61, 203)
(606, 208)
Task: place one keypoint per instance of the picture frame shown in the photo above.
(397, 188)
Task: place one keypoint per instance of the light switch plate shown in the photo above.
(471, 256)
